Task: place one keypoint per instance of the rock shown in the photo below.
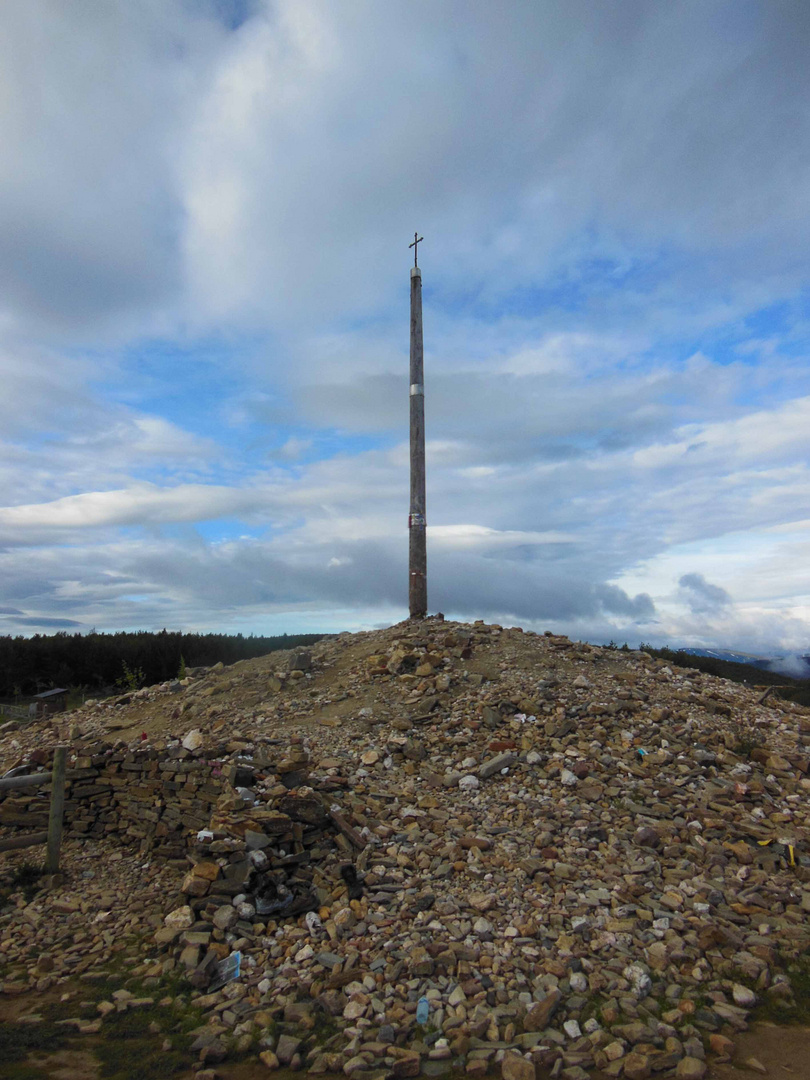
(755, 1065)
(482, 901)
(354, 1008)
(636, 1066)
(215, 1052)
(579, 982)
(719, 1044)
(180, 919)
(409, 1064)
(690, 1068)
(356, 1064)
(225, 917)
(671, 899)
(743, 997)
(287, 1048)
(496, 764)
(647, 837)
(301, 660)
(640, 981)
(516, 1067)
(538, 1015)
(268, 1058)
(193, 740)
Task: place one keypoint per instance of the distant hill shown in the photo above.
(744, 668)
(794, 666)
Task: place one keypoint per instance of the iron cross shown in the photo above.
(416, 240)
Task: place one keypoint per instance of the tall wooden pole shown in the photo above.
(417, 526)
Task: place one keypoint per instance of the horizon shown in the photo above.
(611, 644)
(207, 211)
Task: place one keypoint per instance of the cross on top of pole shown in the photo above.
(416, 240)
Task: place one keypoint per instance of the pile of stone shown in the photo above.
(549, 852)
(268, 856)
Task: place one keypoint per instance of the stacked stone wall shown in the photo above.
(150, 798)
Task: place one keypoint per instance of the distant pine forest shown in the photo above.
(124, 661)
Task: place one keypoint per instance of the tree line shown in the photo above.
(97, 662)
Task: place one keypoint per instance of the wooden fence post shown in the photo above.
(57, 810)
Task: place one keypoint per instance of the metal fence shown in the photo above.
(17, 712)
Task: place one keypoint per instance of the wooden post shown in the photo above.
(57, 810)
(14, 843)
(417, 524)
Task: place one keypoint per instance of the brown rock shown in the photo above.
(410, 1064)
(719, 1044)
(516, 1067)
(636, 1066)
(207, 870)
(541, 1012)
(690, 1068)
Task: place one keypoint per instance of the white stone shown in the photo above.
(193, 740)
(180, 919)
(469, 783)
(743, 997)
(640, 981)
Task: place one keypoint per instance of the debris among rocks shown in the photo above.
(561, 854)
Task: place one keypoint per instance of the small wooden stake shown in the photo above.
(57, 810)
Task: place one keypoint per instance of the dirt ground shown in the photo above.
(783, 1051)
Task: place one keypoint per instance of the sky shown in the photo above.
(205, 212)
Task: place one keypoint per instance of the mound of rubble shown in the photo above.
(445, 844)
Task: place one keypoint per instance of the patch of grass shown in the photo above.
(23, 878)
(128, 1050)
(20, 1070)
(745, 746)
(140, 1060)
(325, 1026)
(789, 1010)
(18, 1040)
(125, 1047)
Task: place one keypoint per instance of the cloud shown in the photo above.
(666, 135)
(204, 218)
(793, 665)
(701, 596)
